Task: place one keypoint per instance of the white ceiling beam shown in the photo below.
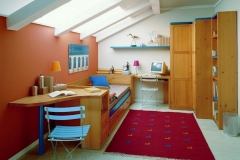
(143, 6)
(60, 31)
(122, 25)
(31, 12)
(140, 11)
(218, 2)
(126, 4)
(188, 7)
(155, 6)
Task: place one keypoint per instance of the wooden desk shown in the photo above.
(43, 100)
(166, 87)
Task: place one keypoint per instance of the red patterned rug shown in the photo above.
(160, 134)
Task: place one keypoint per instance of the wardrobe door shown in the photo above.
(181, 66)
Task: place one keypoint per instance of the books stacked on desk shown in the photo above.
(58, 93)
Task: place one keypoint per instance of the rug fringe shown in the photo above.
(137, 156)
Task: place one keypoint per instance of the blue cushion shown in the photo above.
(99, 81)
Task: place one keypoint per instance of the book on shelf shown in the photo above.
(92, 89)
(61, 93)
(215, 91)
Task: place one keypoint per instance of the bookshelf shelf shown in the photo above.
(215, 78)
(224, 85)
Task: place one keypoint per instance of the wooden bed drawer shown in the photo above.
(127, 103)
(116, 117)
(104, 134)
(105, 120)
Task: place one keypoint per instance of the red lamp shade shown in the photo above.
(136, 63)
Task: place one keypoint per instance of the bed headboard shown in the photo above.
(80, 82)
(114, 79)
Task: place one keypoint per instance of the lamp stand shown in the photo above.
(136, 71)
(55, 79)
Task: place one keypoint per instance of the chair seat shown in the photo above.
(69, 132)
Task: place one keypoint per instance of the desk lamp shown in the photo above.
(55, 68)
(136, 64)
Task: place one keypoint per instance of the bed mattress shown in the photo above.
(122, 93)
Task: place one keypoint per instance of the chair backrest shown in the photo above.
(53, 110)
(70, 113)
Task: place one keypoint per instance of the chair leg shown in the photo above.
(156, 99)
(54, 150)
(148, 98)
(70, 152)
(84, 143)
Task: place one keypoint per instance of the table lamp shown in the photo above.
(136, 64)
(55, 68)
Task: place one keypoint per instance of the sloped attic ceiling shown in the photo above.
(99, 18)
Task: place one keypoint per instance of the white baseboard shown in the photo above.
(25, 150)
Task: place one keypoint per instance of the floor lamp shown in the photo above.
(136, 64)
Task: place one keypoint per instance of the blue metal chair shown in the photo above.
(66, 133)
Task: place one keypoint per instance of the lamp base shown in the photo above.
(58, 87)
(136, 71)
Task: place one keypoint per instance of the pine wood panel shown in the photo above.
(227, 63)
(193, 66)
(202, 77)
(181, 66)
(181, 96)
(93, 113)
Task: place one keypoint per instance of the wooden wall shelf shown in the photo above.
(143, 47)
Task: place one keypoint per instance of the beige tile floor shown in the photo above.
(222, 146)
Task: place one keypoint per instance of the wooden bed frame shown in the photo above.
(108, 123)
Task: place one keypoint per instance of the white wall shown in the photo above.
(232, 5)
(108, 57)
(159, 23)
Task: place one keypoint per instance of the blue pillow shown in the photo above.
(99, 81)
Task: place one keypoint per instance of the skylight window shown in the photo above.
(72, 13)
(101, 21)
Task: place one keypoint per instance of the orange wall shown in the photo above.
(24, 55)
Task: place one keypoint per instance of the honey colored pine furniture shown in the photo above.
(224, 41)
(181, 66)
(96, 107)
(99, 119)
(97, 116)
(201, 68)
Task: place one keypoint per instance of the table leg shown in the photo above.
(41, 131)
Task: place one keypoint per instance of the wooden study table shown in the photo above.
(44, 100)
(166, 86)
